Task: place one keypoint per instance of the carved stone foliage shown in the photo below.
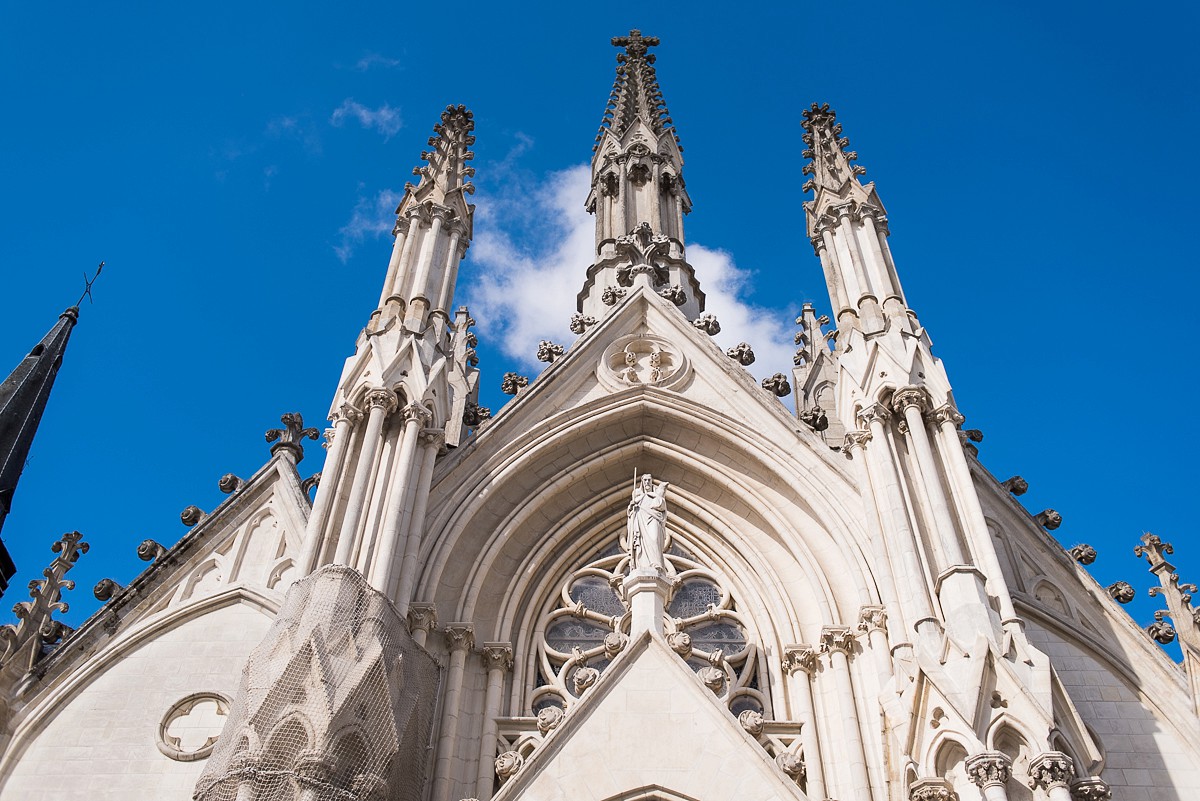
(581, 322)
(741, 353)
(590, 625)
(752, 721)
(1091, 790)
(675, 294)
(548, 351)
(105, 589)
(1083, 554)
(777, 385)
(36, 627)
(191, 515)
(290, 438)
(642, 360)
(791, 764)
(708, 324)
(1160, 630)
(150, 551)
(508, 763)
(931, 790)
(1049, 519)
(512, 383)
(1122, 592)
(815, 418)
(644, 249)
(1051, 769)
(612, 294)
(229, 483)
(989, 768)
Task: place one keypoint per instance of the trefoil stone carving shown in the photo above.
(581, 322)
(548, 351)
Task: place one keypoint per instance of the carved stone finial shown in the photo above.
(548, 351)
(1083, 554)
(35, 623)
(105, 589)
(1016, 485)
(741, 353)
(191, 515)
(1154, 549)
(777, 385)
(752, 721)
(229, 483)
(1051, 769)
(708, 324)
(290, 438)
(150, 551)
(989, 768)
(1091, 790)
(635, 44)
(791, 764)
(1122, 592)
(1048, 519)
(474, 414)
(512, 383)
(508, 763)
(581, 322)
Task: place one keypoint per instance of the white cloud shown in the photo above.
(373, 217)
(533, 243)
(385, 119)
(375, 60)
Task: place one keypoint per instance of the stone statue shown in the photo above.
(646, 527)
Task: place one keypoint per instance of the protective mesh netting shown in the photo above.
(335, 704)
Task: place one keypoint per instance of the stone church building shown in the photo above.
(645, 578)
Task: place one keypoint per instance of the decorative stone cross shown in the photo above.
(635, 44)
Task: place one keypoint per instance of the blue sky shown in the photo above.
(235, 165)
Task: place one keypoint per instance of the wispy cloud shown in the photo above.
(533, 242)
(376, 60)
(385, 119)
(299, 128)
(374, 216)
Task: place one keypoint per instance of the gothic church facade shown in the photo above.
(831, 602)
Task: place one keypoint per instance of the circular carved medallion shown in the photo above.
(191, 727)
(642, 360)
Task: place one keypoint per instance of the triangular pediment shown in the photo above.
(649, 729)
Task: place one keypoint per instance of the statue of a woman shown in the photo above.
(646, 527)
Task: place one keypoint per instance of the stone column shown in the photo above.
(836, 643)
(418, 302)
(931, 790)
(799, 662)
(990, 771)
(381, 403)
(422, 618)
(873, 620)
(911, 402)
(461, 639)
(1091, 790)
(1052, 772)
(413, 531)
(398, 251)
(313, 773)
(498, 659)
(646, 591)
(402, 480)
(947, 420)
(343, 426)
(910, 573)
(450, 271)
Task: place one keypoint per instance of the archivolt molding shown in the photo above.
(34, 718)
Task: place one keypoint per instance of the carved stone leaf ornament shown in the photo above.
(708, 324)
(1083, 554)
(1122, 592)
(777, 385)
(290, 438)
(791, 764)
(512, 383)
(741, 353)
(508, 763)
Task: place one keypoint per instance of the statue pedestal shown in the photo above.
(647, 591)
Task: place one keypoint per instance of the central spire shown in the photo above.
(638, 193)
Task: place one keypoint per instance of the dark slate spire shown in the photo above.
(23, 397)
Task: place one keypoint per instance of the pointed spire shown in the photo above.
(447, 169)
(23, 397)
(832, 165)
(635, 95)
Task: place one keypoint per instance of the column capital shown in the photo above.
(497, 656)
(314, 767)
(872, 618)
(401, 226)
(348, 412)
(422, 616)
(906, 397)
(1051, 769)
(417, 412)
(856, 439)
(837, 638)
(1091, 790)
(989, 768)
(931, 790)
(431, 437)
(382, 398)
(947, 413)
(799, 657)
(875, 413)
(459, 636)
